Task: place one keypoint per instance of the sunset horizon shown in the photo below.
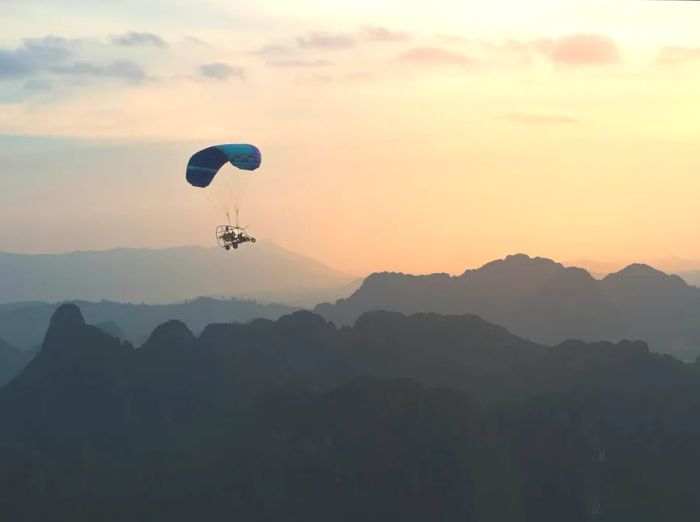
(349, 261)
(417, 138)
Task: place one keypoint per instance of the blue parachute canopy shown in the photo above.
(204, 165)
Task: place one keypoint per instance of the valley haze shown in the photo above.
(158, 276)
(535, 298)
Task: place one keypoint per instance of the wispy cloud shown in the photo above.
(373, 33)
(326, 40)
(541, 119)
(42, 58)
(432, 56)
(360, 77)
(122, 69)
(575, 50)
(136, 39)
(331, 40)
(581, 49)
(221, 71)
(196, 40)
(33, 85)
(34, 56)
(274, 50)
(452, 39)
(674, 55)
(299, 63)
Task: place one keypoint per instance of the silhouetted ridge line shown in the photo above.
(542, 300)
(171, 333)
(24, 325)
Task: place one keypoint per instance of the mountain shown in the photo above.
(12, 361)
(544, 301)
(24, 324)
(415, 418)
(670, 265)
(113, 329)
(692, 277)
(168, 275)
(305, 298)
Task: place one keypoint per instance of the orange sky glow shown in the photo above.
(405, 136)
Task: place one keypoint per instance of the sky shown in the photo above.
(396, 135)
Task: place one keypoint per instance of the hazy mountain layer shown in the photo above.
(12, 360)
(24, 325)
(542, 300)
(169, 275)
(692, 277)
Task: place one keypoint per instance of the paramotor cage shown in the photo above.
(229, 236)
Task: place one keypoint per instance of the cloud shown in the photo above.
(274, 50)
(325, 40)
(579, 49)
(299, 63)
(196, 41)
(675, 55)
(329, 41)
(37, 85)
(78, 69)
(373, 33)
(321, 79)
(33, 56)
(221, 71)
(430, 56)
(135, 39)
(541, 119)
(360, 77)
(452, 39)
(123, 69)
(39, 58)
(582, 49)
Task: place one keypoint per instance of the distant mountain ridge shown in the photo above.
(670, 265)
(542, 300)
(24, 324)
(167, 275)
(692, 277)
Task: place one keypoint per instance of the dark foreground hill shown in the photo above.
(24, 324)
(397, 418)
(542, 300)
